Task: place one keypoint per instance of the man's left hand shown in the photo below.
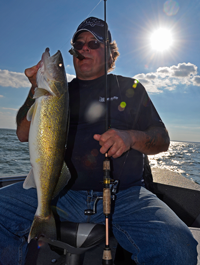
(114, 142)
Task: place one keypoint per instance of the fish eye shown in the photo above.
(60, 65)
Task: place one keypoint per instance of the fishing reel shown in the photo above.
(113, 188)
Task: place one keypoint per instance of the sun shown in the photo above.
(161, 39)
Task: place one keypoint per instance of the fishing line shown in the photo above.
(64, 44)
(94, 8)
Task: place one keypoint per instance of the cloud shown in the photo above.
(151, 76)
(165, 78)
(196, 80)
(10, 109)
(163, 71)
(13, 79)
(184, 70)
(170, 77)
(147, 83)
(70, 77)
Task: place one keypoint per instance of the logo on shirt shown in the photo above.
(101, 99)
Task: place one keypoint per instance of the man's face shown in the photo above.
(93, 66)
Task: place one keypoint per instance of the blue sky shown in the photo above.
(171, 77)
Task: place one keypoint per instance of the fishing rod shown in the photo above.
(109, 186)
(107, 255)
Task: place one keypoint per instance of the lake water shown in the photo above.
(182, 157)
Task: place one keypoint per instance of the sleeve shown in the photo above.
(148, 115)
(140, 108)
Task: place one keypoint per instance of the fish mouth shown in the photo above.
(47, 59)
(51, 70)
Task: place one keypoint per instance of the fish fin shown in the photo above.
(63, 180)
(43, 227)
(29, 181)
(39, 92)
(30, 113)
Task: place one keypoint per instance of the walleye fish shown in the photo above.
(49, 118)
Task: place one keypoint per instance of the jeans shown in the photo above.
(141, 223)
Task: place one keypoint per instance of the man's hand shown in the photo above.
(115, 142)
(31, 74)
(149, 142)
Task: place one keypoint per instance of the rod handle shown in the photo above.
(106, 201)
(107, 257)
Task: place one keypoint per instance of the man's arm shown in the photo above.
(22, 124)
(150, 142)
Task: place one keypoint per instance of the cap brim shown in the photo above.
(78, 32)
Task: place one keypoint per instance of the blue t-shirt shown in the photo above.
(129, 108)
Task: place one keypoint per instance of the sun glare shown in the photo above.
(161, 40)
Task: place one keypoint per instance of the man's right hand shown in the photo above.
(31, 73)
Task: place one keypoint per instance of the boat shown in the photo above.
(180, 194)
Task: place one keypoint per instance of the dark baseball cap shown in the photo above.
(95, 26)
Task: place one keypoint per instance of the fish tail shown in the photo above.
(43, 227)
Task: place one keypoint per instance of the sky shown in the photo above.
(171, 76)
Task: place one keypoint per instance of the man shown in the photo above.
(140, 222)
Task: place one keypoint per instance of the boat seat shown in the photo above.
(75, 239)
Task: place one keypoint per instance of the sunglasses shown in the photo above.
(93, 44)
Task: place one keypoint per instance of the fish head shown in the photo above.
(51, 75)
